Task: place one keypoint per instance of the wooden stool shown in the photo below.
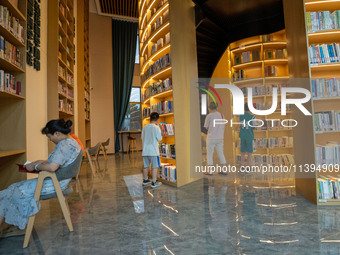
(132, 144)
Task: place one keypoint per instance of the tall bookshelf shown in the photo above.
(83, 73)
(60, 63)
(260, 63)
(164, 77)
(315, 29)
(12, 96)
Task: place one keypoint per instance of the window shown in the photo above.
(132, 120)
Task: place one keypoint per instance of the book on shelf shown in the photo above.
(281, 53)
(159, 65)
(167, 129)
(168, 172)
(322, 20)
(167, 150)
(327, 154)
(269, 88)
(157, 87)
(325, 87)
(266, 38)
(324, 53)
(255, 55)
(272, 142)
(160, 44)
(256, 90)
(166, 16)
(11, 53)
(327, 121)
(238, 75)
(162, 107)
(9, 84)
(146, 112)
(328, 187)
(237, 59)
(246, 57)
(270, 71)
(11, 23)
(272, 159)
(269, 54)
(167, 38)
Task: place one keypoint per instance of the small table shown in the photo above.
(128, 133)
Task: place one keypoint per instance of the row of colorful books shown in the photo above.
(162, 107)
(273, 142)
(327, 154)
(322, 20)
(12, 23)
(63, 89)
(9, 84)
(327, 121)
(246, 57)
(326, 87)
(167, 150)
(328, 187)
(11, 53)
(157, 87)
(272, 159)
(275, 53)
(324, 53)
(65, 106)
(168, 172)
(167, 129)
(160, 64)
(263, 90)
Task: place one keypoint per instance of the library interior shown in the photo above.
(170, 127)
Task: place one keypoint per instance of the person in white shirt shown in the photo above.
(151, 135)
(215, 137)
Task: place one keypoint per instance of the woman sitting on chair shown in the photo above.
(17, 202)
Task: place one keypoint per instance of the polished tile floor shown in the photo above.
(234, 215)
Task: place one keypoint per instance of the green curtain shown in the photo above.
(124, 39)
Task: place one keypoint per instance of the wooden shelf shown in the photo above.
(152, 19)
(13, 9)
(325, 99)
(8, 66)
(158, 33)
(11, 153)
(274, 44)
(276, 61)
(248, 47)
(249, 65)
(9, 36)
(161, 75)
(167, 158)
(324, 36)
(65, 113)
(164, 50)
(327, 132)
(5, 94)
(166, 114)
(163, 94)
(245, 81)
(328, 66)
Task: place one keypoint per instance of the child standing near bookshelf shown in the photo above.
(151, 135)
(246, 136)
(215, 137)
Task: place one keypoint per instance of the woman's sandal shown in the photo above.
(12, 231)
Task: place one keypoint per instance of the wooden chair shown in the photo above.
(70, 171)
(93, 152)
(132, 144)
(103, 147)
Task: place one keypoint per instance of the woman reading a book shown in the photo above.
(17, 202)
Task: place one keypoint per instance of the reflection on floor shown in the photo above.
(234, 215)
